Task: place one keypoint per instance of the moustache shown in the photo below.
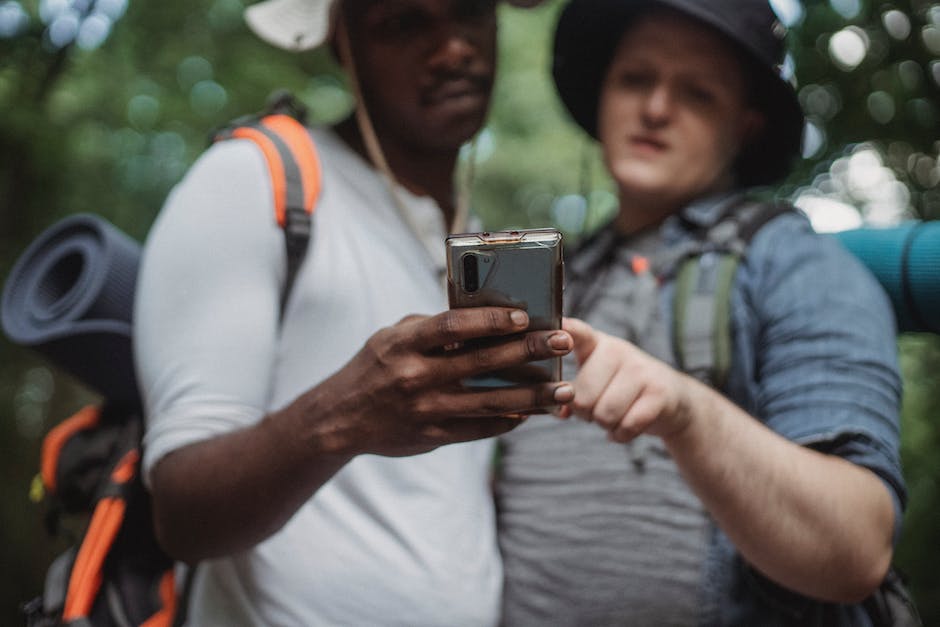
(452, 84)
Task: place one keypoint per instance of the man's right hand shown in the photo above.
(401, 394)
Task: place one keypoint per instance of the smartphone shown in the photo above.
(522, 269)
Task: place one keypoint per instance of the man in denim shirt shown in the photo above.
(777, 503)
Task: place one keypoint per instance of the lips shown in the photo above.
(455, 90)
(648, 142)
(647, 145)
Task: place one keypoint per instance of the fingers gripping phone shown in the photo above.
(522, 269)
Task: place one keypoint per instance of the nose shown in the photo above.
(454, 51)
(658, 105)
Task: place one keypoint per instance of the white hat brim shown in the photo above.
(294, 25)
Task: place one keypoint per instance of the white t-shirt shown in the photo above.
(387, 541)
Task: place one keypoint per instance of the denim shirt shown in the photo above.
(815, 359)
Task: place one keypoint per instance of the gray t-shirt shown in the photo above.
(632, 533)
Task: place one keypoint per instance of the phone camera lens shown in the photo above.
(471, 274)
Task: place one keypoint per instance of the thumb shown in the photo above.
(584, 336)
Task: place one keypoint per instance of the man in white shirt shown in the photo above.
(301, 461)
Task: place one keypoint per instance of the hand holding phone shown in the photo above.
(522, 269)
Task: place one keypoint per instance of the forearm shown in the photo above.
(814, 523)
(227, 494)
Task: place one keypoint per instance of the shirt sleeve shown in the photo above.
(207, 302)
(825, 366)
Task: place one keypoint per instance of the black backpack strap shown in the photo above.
(583, 262)
(702, 332)
(892, 605)
(294, 167)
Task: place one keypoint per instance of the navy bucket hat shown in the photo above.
(589, 31)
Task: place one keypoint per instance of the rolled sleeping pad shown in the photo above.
(70, 297)
(906, 261)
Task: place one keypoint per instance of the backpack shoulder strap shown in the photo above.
(294, 167)
(701, 331)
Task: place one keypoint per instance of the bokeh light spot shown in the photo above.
(896, 24)
(330, 100)
(924, 171)
(207, 98)
(31, 403)
(49, 10)
(13, 19)
(923, 112)
(64, 29)
(814, 139)
(114, 9)
(127, 142)
(169, 145)
(224, 14)
(911, 75)
(846, 8)
(822, 101)
(93, 31)
(191, 70)
(931, 38)
(569, 212)
(481, 149)
(143, 111)
(881, 107)
(789, 12)
(828, 215)
(848, 47)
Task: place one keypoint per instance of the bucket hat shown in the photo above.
(589, 31)
(299, 25)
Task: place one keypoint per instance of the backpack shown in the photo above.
(702, 267)
(902, 259)
(69, 296)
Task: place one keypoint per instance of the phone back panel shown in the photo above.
(521, 269)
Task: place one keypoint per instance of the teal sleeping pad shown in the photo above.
(906, 261)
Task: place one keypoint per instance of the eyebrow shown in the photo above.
(707, 72)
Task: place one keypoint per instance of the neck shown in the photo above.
(641, 210)
(421, 172)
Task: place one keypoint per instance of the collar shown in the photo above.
(701, 214)
(674, 236)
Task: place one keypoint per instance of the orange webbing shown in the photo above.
(52, 444)
(164, 618)
(275, 167)
(126, 469)
(301, 146)
(86, 573)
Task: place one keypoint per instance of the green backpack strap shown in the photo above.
(294, 167)
(702, 327)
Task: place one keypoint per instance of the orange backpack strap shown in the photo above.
(52, 445)
(294, 167)
(105, 524)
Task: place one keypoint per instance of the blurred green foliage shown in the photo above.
(105, 103)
